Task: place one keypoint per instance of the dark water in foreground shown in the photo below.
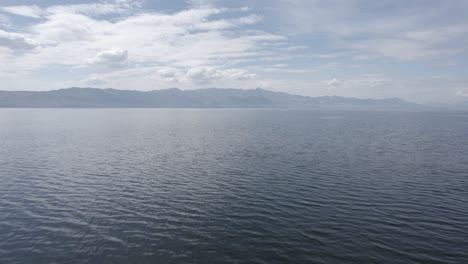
(232, 186)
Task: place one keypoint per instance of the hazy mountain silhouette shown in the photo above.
(459, 106)
(202, 98)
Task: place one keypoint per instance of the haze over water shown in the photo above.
(232, 186)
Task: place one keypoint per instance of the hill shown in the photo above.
(202, 98)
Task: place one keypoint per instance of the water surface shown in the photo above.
(232, 186)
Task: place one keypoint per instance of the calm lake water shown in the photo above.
(232, 186)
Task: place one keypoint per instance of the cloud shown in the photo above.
(67, 27)
(462, 93)
(396, 30)
(95, 81)
(202, 74)
(97, 9)
(414, 45)
(167, 72)
(188, 38)
(110, 58)
(16, 41)
(168, 43)
(292, 46)
(333, 82)
(208, 74)
(228, 23)
(370, 81)
(23, 10)
(123, 7)
(237, 74)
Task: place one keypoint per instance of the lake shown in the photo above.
(232, 186)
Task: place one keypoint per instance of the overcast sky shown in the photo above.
(415, 50)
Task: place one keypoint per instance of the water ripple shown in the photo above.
(243, 186)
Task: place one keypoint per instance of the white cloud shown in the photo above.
(237, 74)
(208, 74)
(167, 74)
(189, 39)
(333, 82)
(16, 41)
(394, 30)
(462, 93)
(368, 81)
(416, 45)
(202, 74)
(67, 27)
(23, 10)
(97, 9)
(228, 23)
(90, 9)
(110, 58)
(299, 49)
(179, 39)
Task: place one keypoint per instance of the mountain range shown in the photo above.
(202, 98)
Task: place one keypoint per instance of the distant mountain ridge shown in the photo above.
(459, 106)
(203, 98)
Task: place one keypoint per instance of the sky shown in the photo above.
(416, 50)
